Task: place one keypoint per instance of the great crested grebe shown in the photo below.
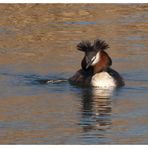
(95, 67)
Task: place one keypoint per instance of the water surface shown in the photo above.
(37, 41)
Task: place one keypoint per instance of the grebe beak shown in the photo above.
(89, 63)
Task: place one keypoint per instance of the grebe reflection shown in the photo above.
(96, 110)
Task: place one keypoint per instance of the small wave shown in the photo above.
(51, 81)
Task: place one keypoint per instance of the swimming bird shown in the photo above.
(96, 68)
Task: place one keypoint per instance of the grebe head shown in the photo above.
(92, 52)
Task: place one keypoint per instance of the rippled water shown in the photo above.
(37, 42)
